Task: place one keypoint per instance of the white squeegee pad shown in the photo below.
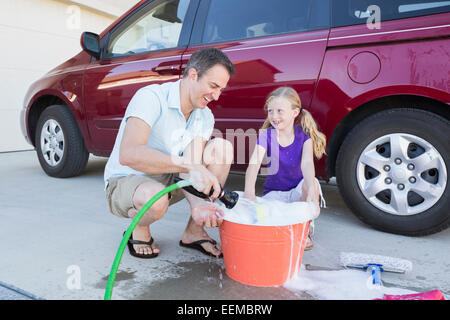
(359, 260)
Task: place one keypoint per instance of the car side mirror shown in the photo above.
(90, 42)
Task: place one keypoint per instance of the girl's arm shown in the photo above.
(308, 170)
(252, 171)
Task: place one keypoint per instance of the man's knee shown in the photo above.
(144, 193)
(218, 151)
(159, 208)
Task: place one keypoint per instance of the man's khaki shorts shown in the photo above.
(120, 191)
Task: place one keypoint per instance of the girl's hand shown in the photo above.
(311, 192)
(252, 172)
(250, 196)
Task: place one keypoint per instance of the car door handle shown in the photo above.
(166, 69)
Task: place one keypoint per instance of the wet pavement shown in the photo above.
(59, 241)
(204, 281)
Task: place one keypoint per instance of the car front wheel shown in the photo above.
(392, 171)
(59, 143)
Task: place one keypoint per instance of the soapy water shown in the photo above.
(346, 284)
(263, 212)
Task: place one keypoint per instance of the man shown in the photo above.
(165, 132)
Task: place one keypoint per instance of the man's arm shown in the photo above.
(135, 153)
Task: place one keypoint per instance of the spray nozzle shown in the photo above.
(228, 198)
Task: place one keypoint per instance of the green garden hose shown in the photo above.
(134, 223)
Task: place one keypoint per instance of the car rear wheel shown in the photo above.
(392, 171)
(59, 143)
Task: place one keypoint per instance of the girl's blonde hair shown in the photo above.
(305, 119)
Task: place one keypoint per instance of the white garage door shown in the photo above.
(35, 37)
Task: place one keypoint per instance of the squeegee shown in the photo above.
(375, 264)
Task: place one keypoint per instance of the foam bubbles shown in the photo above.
(347, 284)
(264, 212)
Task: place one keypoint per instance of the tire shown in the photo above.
(59, 143)
(392, 171)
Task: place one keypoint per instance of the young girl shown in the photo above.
(290, 139)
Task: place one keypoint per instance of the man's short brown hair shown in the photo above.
(204, 59)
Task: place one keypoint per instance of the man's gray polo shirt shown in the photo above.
(159, 106)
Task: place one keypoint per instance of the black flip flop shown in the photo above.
(140, 255)
(196, 245)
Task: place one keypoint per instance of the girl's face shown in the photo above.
(281, 114)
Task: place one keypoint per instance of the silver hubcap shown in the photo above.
(401, 174)
(52, 142)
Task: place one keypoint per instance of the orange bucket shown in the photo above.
(262, 256)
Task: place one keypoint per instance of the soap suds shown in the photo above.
(263, 212)
(347, 284)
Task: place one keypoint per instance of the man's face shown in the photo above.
(209, 86)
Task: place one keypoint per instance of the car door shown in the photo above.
(271, 44)
(144, 48)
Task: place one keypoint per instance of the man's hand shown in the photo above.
(207, 214)
(202, 180)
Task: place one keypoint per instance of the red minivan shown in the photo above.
(374, 74)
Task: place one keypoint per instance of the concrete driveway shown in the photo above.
(59, 241)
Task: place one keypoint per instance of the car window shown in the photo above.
(320, 14)
(237, 19)
(353, 12)
(155, 27)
